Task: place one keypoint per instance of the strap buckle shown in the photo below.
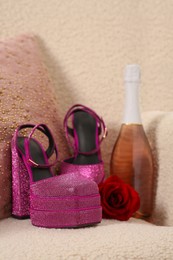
(33, 163)
(105, 133)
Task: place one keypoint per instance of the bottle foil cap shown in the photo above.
(132, 73)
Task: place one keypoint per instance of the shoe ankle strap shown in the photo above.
(69, 131)
(52, 148)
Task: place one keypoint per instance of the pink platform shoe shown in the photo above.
(88, 131)
(50, 201)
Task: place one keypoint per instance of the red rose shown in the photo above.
(119, 200)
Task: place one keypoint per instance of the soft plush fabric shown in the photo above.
(159, 129)
(86, 45)
(111, 239)
(134, 239)
(26, 96)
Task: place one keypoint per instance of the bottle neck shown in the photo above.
(131, 108)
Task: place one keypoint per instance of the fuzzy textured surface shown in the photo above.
(111, 239)
(27, 93)
(159, 128)
(26, 96)
(86, 45)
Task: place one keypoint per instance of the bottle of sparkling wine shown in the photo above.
(131, 156)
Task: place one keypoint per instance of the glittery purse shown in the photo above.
(88, 131)
(26, 95)
(53, 202)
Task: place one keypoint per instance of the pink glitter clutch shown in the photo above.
(27, 95)
(69, 200)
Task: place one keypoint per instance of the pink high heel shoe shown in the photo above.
(88, 131)
(50, 201)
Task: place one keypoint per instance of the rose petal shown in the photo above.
(119, 200)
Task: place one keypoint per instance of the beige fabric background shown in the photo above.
(89, 43)
(86, 45)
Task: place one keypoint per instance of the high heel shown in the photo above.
(50, 201)
(88, 131)
(29, 165)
